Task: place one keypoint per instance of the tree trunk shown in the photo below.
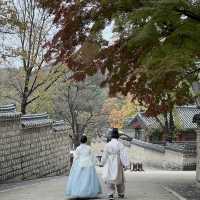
(166, 127)
(23, 105)
(171, 125)
(76, 141)
(25, 93)
(78, 131)
(23, 108)
(76, 138)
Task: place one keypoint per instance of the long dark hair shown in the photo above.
(83, 139)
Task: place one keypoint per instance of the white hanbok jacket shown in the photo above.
(85, 156)
(114, 159)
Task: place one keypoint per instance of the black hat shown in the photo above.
(115, 133)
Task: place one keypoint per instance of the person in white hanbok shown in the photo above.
(83, 181)
(114, 160)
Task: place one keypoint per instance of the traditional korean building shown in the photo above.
(143, 127)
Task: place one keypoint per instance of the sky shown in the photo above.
(14, 62)
(13, 40)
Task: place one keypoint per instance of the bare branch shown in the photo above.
(32, 100)
(44, 82)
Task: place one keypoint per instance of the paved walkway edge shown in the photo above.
(178, 196)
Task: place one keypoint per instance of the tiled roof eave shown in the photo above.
(59, 126)
(175, 147)
(151, 146)
(9, 116)
(59, 129)
(8, 108)
(34, 126)
(29, 125)
(31, 117)
(143, 124)
(35, 121)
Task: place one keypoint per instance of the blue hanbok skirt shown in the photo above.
(83, 182)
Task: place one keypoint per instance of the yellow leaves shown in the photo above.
(119, 110)
(116, 118)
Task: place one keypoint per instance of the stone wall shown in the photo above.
(181, 156)
(31, 146)
(148, 156)
(178, 156)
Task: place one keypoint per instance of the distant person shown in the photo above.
(83, 181)
(114, 160)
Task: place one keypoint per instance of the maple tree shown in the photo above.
(152, 56)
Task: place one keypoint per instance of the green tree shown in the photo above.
(152, 56)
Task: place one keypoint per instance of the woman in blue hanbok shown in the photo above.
(83, 181)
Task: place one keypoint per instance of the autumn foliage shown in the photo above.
(152, 58)
(119, 110)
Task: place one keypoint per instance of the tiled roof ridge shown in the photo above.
(7, 108)
(35, 116)
(59, 125)
(141, 119)
(178, 147)
(8, 112)
(148, 120)
(35, 120)
(155, 147)
(58, 122)
(188, 106)
(184, 106)
(186, 122)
